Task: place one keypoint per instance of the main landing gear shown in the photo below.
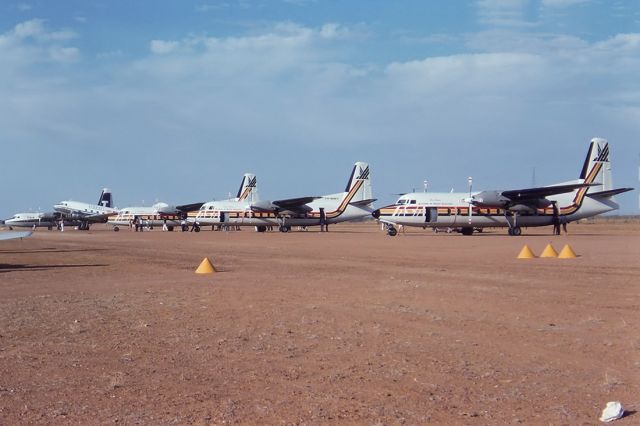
(284, 228)
(515, 231)
(391, 230)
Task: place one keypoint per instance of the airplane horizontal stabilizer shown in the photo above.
(610, 193)
(363, 203)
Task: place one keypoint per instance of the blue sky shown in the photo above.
(174, 101)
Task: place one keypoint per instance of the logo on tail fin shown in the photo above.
(248, 185)
(105, 199)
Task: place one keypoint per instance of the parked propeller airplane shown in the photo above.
(158, 214)
(353, 203)
(590, 195)
(47, 220)
(215, 212)
(85, 213)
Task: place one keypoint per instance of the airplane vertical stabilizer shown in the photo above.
(360, 182)
(597, 167)
(248, 190)
(106, 199)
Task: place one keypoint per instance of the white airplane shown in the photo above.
(47, 220)
(158, 214)
(590, 195)
(86, 213)
(13, 235)
(354, 203)
(214, 212)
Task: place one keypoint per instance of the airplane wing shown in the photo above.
(541, 192)
(13, 235)
(189, 207)
(527, 198)
(294, 204)
(97, 217)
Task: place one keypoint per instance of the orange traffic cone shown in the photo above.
(526, 253)
(205, 267)
(567, 253)
(549, 251)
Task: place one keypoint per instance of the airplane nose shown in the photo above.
(376, 213)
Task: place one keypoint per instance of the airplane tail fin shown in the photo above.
(248, 188)
(597, 167)
(359, 185)
(597, 171)
(106, 199)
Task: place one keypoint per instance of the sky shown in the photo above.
(175, 101)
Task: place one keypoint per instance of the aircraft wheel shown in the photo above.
(392, 232)
(196, 228)
(170, 228)
(284, 228)
(116, 229)
(467, 231)
(517, 231)
(184, 228)
(261, 228)
(510, 231)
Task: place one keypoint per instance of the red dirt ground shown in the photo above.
(349, 326)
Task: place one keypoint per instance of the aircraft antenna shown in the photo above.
(426, 185)
(533, 177)
(470, 181)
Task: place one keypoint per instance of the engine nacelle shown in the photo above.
(523, 208)
(264, 206)
(490, 199)
(164, 208)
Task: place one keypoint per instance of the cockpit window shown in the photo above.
(412, 201)
(401, 201)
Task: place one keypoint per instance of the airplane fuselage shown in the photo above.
(29, 220)
(451, 210)
(148, 216)
(83, 211)
(336, 208)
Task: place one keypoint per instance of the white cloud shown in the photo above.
(31, 42)
(35, 29)
(163, 47)
(508, 13)
(64, 54)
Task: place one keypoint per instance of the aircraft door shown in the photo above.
(431, 215)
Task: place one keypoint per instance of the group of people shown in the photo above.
(138, 224)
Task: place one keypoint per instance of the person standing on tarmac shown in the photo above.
(323, 220)
(556, 219)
